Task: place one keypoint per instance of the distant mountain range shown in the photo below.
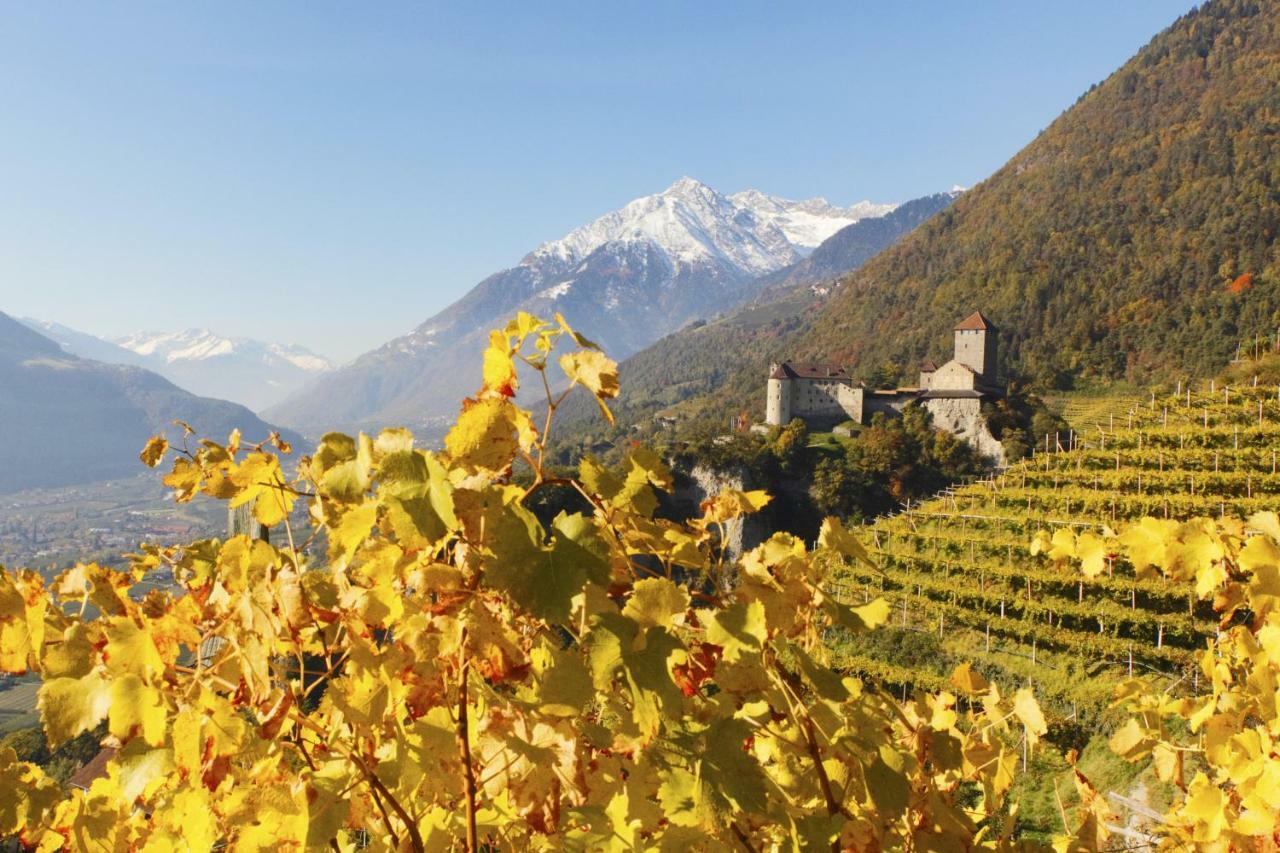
(66, 420)
(625, 280)
(246, 371)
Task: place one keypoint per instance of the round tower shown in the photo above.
(778, 400)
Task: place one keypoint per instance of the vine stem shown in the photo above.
(742, 838)
(464, 743)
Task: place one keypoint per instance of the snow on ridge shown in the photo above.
(300, 358)
(690, 222)
(807, 223)
(201, 344)
(556, 291)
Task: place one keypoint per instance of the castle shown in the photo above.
(826, 394)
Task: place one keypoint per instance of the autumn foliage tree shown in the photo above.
(448, 672)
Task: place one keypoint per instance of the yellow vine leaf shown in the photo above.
(655, 602)
(1027, 710)
(967, 681)
(69, 706)
(154, 451)
(484, 436)
(834, 536)
(594, 371)
(1091, 550)
(499, 367)
(137, 708)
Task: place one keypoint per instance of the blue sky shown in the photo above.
(332, 174)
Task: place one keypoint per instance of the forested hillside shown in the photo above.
(1136, 236)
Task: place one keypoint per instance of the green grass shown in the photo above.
(1048, 786)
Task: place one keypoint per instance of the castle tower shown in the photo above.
(976, 346)
(778, 405)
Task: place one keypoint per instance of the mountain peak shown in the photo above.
(690, 222)
(684, 185)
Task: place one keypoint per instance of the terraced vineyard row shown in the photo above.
(959, 566)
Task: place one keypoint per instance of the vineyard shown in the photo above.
(959, 567)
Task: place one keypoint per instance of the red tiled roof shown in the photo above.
(95, 769)
(927, 366)
(975, 321)
(808, 370)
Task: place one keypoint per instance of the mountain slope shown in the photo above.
(252, 373)
(1136, 235)
(625, 279)
(68, 420)
(701, 357)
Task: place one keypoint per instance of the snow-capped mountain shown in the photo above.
(625, 279)
(246, 371)
(807, 223)
(690, 222)
(202, 345)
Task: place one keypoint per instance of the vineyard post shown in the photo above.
(240, 522)
(988, 636)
